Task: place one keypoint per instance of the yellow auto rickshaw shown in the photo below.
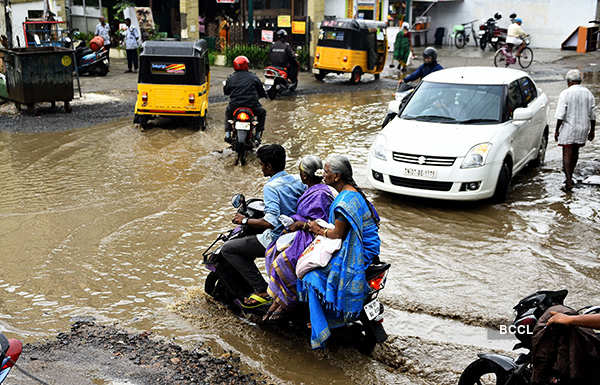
(350, 46)
(174, 81)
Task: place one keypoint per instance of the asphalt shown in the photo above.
(113, 96)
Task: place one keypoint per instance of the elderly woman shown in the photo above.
(335, 293)
(281, 265)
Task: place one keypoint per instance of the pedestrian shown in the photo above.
(131, 45)
(402, 48)
(223, 33)
(575, 122)
(103, 30)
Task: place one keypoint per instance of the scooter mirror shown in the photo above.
(237, 200)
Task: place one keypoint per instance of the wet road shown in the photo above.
(110, 222)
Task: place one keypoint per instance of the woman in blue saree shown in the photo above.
(281, 264)
(335, 293)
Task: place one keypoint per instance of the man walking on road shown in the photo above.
(131, 45)
(575, 122)
(103, 30)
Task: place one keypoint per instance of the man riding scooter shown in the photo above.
(429, 65)
(282, 55)
(244, 89)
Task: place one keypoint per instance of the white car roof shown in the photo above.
(475, 75)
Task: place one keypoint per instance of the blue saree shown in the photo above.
(336, 292)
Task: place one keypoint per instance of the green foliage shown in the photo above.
(303, 58)
(120, 6)
(85, 36)
(211, 58)
(258, 56)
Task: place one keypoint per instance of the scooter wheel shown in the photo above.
(480, 369)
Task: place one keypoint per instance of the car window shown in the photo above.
(528, 90)
(514, 98)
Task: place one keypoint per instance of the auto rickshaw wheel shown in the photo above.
(356, 74)
(68, 108)
(376, 76)
(199, 123)
(321, 75)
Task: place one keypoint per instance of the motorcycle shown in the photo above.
(89, 61)
(227, 286)
(277, 81)
(10, 350)
(243, 132)
(507, 370)
(490, 33)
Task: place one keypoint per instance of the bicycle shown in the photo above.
(504, 56)
(461, 34)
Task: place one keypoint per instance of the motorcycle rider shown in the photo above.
(244, 89)
(515, 36)
(429, 65)
(280, 193)
(282, 55)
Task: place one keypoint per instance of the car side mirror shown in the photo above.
(522, 114)
(237, 200)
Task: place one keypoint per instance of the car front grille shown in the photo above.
(425, 160)
(420, 183)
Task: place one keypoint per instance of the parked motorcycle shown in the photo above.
(508, 371)
(227, 286)
(243, 132)
(277, 81)
(10, 350)
(490, 33)
(89, 61)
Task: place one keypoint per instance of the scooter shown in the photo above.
(227, 286)
(401, 97)
(10, 350)
(243, 133)
(490, 33)
(509, 371)
(89, 61)
(277, 81)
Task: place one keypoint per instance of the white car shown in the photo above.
(462, 135)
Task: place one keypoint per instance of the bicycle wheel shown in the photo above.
(526, 57)
(500, 59)
(459, 40)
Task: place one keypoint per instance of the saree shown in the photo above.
(401, 47)
(281, 265)
(335, 293)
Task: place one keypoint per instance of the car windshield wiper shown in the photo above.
(478, 120)
(435, 117)
(408, 117)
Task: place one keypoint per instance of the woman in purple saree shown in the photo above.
(281, 264)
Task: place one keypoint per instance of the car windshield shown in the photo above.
(455, 103)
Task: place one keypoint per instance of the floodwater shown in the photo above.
(111, 222)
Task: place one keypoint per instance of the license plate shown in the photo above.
(242, 126)
(316, 71)
(420, 173)
(269, 81)
(494, 39)
(372, 309)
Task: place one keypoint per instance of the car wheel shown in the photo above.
(503, 184)
(541, 155)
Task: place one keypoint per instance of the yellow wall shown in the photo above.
(189, 19)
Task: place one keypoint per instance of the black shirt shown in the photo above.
(281, 54)
(244, 89)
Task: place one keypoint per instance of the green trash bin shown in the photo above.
(212, 42)
(40, 74)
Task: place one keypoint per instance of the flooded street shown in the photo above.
(110, 222)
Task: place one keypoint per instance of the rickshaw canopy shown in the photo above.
(174, 62)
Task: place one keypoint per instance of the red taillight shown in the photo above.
(192, 98)
(14, 351)
(244, 117)
(318, 55)
(378, 282)
(482, 27)
(345, 58)
(144, 97)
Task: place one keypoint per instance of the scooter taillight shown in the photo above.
(14, 351)
(378, 282)
(482, 27)
(244, 117)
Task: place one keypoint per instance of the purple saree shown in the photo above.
(281, 266)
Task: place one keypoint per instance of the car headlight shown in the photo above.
(379, 148)
(476, 156)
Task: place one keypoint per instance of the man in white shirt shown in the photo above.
(575, 122)
(103, 30)
(131, 45)
(515, 35)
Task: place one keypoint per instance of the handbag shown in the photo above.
(317, 255)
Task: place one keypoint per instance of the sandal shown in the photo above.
(255, 300)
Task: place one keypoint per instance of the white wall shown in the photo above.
(335, 8)
(549, 22)
(87, 24)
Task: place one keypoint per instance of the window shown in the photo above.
(528, 90)
(514, 98)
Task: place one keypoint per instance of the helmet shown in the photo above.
(281, 34)
(497, 16)
(241, 63)
(430, 52)
(518, 20)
